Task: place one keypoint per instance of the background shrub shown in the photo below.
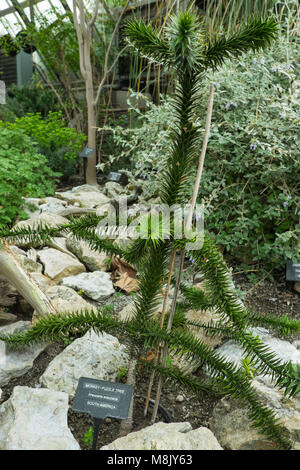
(24, 173)
(59, 143)
(32, 97)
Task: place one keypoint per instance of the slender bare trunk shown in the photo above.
(91, 175)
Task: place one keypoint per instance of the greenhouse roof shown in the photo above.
(11, 21)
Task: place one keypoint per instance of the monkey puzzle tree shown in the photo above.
(187, 50)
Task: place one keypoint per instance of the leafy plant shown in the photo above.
(248, 366)
(88, 437)
(24, 173)
(122, 373)
(58, 142)
(32, 97)
(190, 53)
(255, 147)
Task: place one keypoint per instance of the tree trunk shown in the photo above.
(91, 173)
(11, 269)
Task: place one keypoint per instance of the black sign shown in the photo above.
(87, 152)
(102, 399)
(292, 271)
(114, 176)
(117, 177)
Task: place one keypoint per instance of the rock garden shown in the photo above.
(97, 279)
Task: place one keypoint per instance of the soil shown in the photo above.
(276, 297)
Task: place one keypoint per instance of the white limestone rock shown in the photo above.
(15, 363)
(94, 356)
(60, 244)
(93, 260)
(232, 427)
(105, 209)
(53, 205)
(284, 350)
(88, 199)
(64, 300)
(163, 436)
(44, 282)
(114, 190)
(26, 260)
(45, 218)
(96, 285)
(58, 265)
(89, 188)
(35, 419)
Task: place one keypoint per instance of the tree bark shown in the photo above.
(11, 269)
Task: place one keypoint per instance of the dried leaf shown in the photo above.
(120, 266)
(127, 283)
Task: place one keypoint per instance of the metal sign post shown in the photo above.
(2, 92)
(86, 153)
(293, 271)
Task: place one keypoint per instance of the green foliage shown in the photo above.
(249, 368)
(24, 173)
(56, 41)
(221, 48)
(122, 373)
(227, 14)
(88, 437)
(58, 142)
(30, 98)
(135, 147)
(251, 189)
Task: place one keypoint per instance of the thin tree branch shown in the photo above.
(50, 84)
(94, 15)
(106, 74)
(107, 10)
(106, 70)
(80, 40)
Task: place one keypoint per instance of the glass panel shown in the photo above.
(10, 24)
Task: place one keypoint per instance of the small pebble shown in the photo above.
(179, 398)
(107, 420)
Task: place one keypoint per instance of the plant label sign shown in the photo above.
(292, 271)
(114, 176)
(2, 92)
(102, 399)
(87, 152)
(117, 177)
